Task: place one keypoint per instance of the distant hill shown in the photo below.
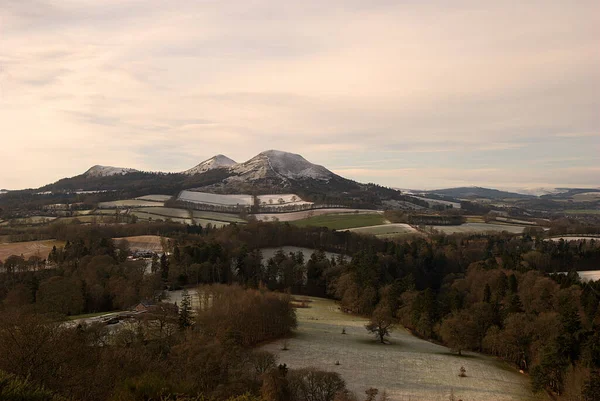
(478, 192)
(215, 162)
(269, 172)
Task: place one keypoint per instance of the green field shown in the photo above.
(342, 221)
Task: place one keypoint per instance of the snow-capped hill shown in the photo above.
(218, 161)
(106, 171)
(283, 165)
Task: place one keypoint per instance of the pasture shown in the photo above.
(407, 369)
(342, 221)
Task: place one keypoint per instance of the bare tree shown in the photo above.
(382, 322)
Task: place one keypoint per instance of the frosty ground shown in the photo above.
(408, 369)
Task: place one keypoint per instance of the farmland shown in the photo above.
(29, 248)
(183, 216)
(129, 203)
(241, 200)
(342, 221)
(479, 228)
(408, 368)
(304, 214)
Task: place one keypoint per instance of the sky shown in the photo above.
(409, 94)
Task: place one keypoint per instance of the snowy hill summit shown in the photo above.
(279, 164)
(218, 161)
(107, 171)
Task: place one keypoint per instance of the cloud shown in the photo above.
(388, 85)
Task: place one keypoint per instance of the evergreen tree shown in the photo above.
(185, 311)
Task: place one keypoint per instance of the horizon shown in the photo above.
(421, 95)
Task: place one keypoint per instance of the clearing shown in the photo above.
(407, 369)
(342, 221)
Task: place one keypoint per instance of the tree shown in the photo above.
(459, 332)
(591, 388)
(382, 322)
(185, 311)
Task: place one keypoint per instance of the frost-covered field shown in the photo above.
(128, 203)
(387, 230)
(241, 200)
(468, 228)
(215, 199)
(408, 369)
(293, 216)
(155, 198)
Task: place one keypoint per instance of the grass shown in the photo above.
(407, 368)
(342, 221)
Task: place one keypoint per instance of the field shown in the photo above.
(407, 369)
(586, 197)
(152, 216)
(241, 199)
(29, 248)
(470, 228)
(342, 221)
(129, 203)
(28, 220)
(386, 230)
(215, 216)
(166, 212)
(583, 211)
(293, 216)
(183, 216)
(155, 198)
(143, 243)
(214, 199)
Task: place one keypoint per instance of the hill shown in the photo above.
(269, 172)
(478, 192)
